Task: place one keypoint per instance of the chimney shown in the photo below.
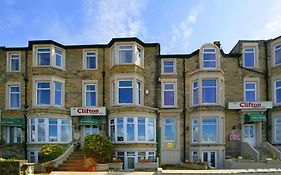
(218, 43)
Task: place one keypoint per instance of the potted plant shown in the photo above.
(91, 164)
(98, 148)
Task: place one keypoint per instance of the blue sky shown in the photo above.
(180, 26)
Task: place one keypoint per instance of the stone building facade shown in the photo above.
(201, 106)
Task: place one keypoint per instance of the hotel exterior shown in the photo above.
(203, 106)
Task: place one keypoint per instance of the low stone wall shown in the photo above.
(149, 165)
(116, 165)
(250, 164)
(11, 167)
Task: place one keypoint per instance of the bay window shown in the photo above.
(126, 54)
(277, 54)
(132, 129)
(49, 56)
(209, 91)
(277, 92)
(49, 130)
(195, 124)
(209, 130)
(169, 129)
(43, 56)
(195, 92)
(278, 130)
(209, 58)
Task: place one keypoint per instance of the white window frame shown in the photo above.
(135, 122)
(85, 93)
(61, 57)
(36, 91)
(216, 141)
(276, 48)
(61, 93)
(10, 57)
(9, 93)
(139, 56)
(275, 94)
(210, 52)
(85, 60)
(125, 87)
(193, 89)
(192, 132)
(193, 155)
(174, 124)
(132, 49)
(46, 131)
(174, 66)
(8, 134)
(35, 154)
(138, 92)
(250, 90)
(174, 90)
(38, 52)
(206, 103)
(246, 51)
(275, 128)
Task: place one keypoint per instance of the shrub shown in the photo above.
(50, 152)
(98, 147)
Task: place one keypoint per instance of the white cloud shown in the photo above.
(107, 19)
(182, 31)
(271, 25)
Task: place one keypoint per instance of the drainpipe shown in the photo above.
(266, 90)
(25, 79)
(103, 89)
(184, 111)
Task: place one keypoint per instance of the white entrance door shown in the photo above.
(89, 129)
(250, 134)
(210, 157)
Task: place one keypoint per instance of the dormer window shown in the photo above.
(43, 56)
(209, 58)
(249, 57)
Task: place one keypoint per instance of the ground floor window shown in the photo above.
(207, 156)
(278, 129)
(13, 134)
(49, 130)
(195, 156)
(130, 158)
(132, 129)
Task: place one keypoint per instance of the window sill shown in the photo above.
(126, 64)
(10, 71)
(94, 69)
(50, 66)
(12, 109)
(127, 143)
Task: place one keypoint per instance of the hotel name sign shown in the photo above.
(250, 105)
(87, 111)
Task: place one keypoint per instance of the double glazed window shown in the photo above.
(277, 54)
(48, 130)
(209, 91)
(13, 134)
(169, 95)
(128, 92)
(14, 97)
(13, 62)
(209, 58)
(195, 93)
(278, 130)
(132, 129)
(208, 128)
(90, 60)
(90, 95)
(127, 54)
(250, 91)
(49, 56)
(277, 85)
(168, 66)
(49, 93)
(249, 57)
(169, 129)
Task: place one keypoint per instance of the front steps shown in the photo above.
(75, 162)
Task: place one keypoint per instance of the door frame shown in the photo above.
(254, 138)
(209, 156)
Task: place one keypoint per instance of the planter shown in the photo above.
(149, 165)
(102, 167)
(92, 168)
(195, 165)
(116, 165)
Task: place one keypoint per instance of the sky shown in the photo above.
(180, 26)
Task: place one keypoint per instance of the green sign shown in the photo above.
(12, 122)
(89, 121)
(254, 118)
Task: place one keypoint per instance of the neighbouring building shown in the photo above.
(203, 106)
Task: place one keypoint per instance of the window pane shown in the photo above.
(249, 57)
(14, 61)
(278, 95)
(168, 66)
(41, 130)
(209, 58)
(125, 54)
(120, 131)
(58, 55)
(209, 91)
(141, 129)
(169, 128)
(151, 129)
(139, 56)
(195, 93)
(209, 130)
(195, 131)
(91, 95)
(277, 54)
(66, 131)
(130, 129)
(278, 130)
(58, 93)
(43, 57)
(169, 98)
(125, 92)
(112, 130)
(14, 96)
(53, 131)
(43, 93)
(91, 60)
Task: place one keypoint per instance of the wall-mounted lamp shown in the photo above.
(146, 92)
